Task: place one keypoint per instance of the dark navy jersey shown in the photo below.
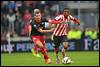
(36, 26)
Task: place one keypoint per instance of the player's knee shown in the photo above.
(56, 49)
(56, 46)
(65, 46)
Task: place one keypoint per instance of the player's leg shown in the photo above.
(64, 49)
(44, 52)
(45, 55)
(65, 46)
(35, 51)
(35, 48)
(56, 48)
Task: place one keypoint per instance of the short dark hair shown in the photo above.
(65, 9)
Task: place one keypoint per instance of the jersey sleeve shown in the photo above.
(58, 17)
(74, 19)
(71, 17)
(45, 23)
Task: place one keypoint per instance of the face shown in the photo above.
(66, 12)
(37, 17)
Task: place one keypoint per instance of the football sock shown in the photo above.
(44, 52)
(35, 49)
(56, 51)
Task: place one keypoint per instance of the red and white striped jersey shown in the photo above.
(61, 29)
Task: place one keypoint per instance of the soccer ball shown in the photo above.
(66, 60)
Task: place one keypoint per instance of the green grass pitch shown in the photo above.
(79, 58)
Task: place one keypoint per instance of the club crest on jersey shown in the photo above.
(34, 25)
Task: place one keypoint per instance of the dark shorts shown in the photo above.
(58, 40)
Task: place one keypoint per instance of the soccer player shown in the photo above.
(37, 31)
(60, 31)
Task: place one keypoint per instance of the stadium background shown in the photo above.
(15, 16)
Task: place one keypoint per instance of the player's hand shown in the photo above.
(52, 29)
(78, 22)
(49, 20)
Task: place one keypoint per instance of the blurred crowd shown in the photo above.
(15, 16)
(88, 33)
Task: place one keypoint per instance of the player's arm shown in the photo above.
(54, 21)
(44, 31)
(75, 20)
(57, 20)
